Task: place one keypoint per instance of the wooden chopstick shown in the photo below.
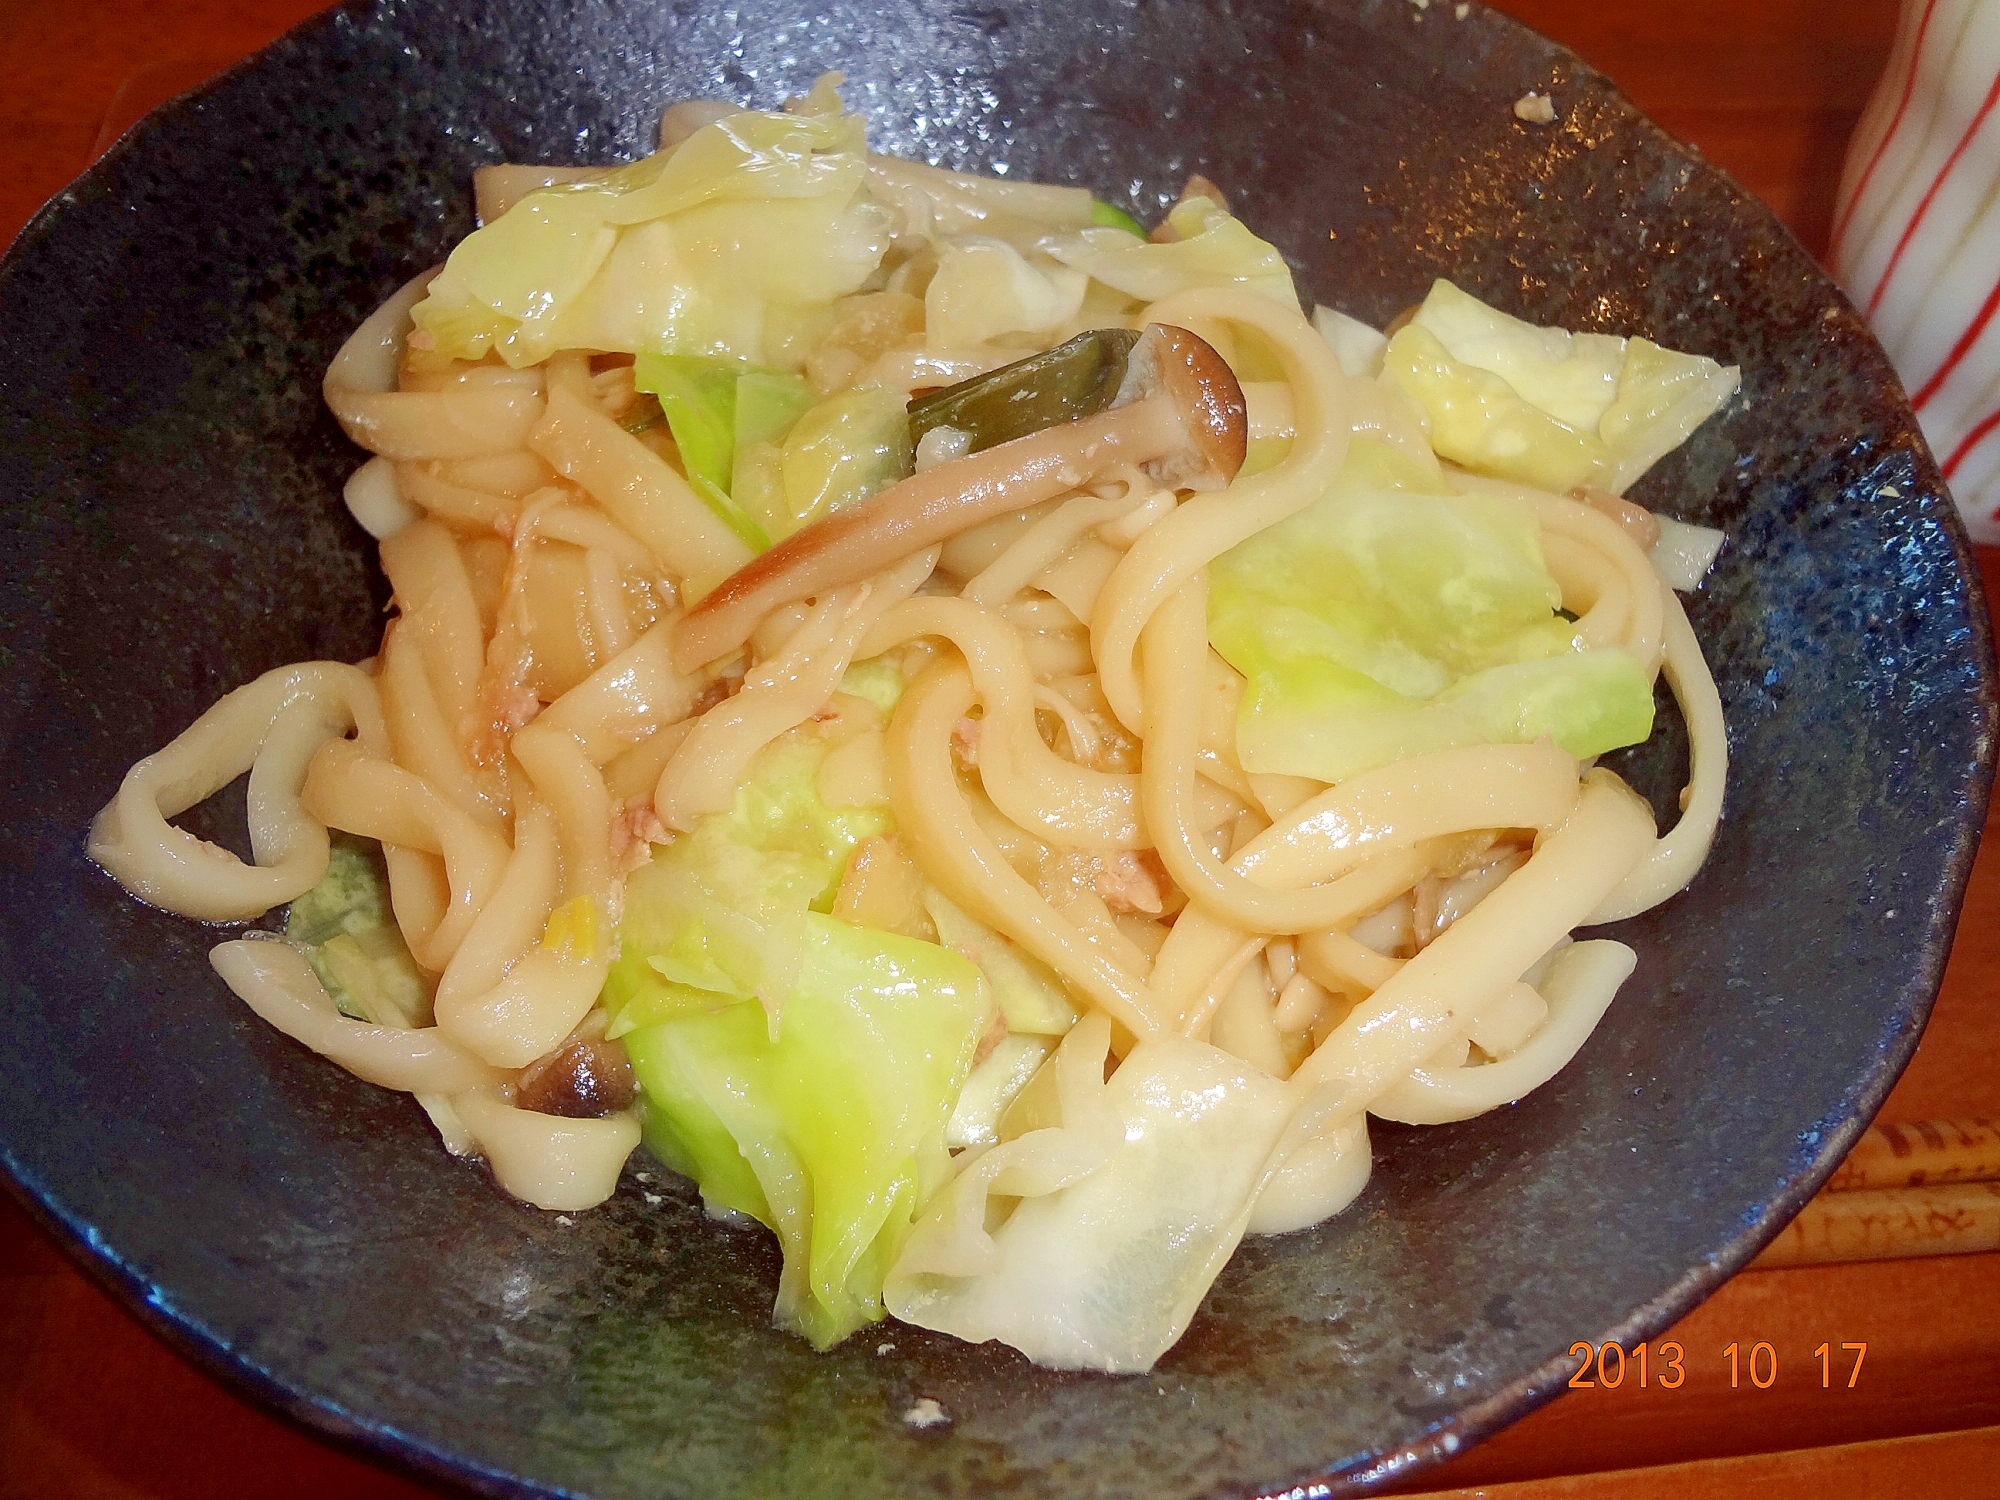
(1929, 1188)
(1920, 1155)
(1889, 1224)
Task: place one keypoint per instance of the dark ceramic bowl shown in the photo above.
(169, 481)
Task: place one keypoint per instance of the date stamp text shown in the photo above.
(1609, 1366)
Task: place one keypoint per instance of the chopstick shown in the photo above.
(1929, 1188)
(1920, 1155)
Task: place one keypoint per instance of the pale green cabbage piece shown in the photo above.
(842, 450)
(1110, 216)
(735, 242)
(1545, 406)
(1214, 249)
(348, 931)
(1389, 619)
(831, 1132)
(1126, 1211)
(716, 911)
(820, 1110)
(992, 1086)
(719, 411)
(986, 289)
(1356, 344)
(768, 402)
(1030, 996)
(879, 679)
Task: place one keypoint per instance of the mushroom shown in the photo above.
(1178, 415)
(587, 1079)
(1198, 186)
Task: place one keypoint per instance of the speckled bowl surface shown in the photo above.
(172, 528)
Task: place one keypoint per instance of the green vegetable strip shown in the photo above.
(697, 393)
(348, 930)
(824, 1130)
(1105, 216)
(1389, 620)
(767, 404)
(801, 1069)
(1064, 384)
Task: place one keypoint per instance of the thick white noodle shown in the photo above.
(375, 499)
(1579, 987)
(274, 979)
(547, 1160)
(1056, 799)
(959, 858)
(271, 728)
(1429, 1001)
(1174, 548)
(490, 415)
(779, 694)
(1672, 861)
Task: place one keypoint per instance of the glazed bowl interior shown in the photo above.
(170, 487)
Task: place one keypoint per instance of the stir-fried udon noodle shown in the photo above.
(989, 737)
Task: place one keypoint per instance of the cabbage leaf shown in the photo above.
(830, 1132)
(347, 929)
(1129, 1204)
(735, 242)
(800, 1068)
(719, 409)
(1394, 618)
(1110, 216)
(715, 914)
(842, 450)
(1545, 406)
(1030, 995)
(986, 289)
(1213, 249)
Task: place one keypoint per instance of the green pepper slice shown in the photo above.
(1064, 384)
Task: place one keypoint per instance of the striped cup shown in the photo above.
(1916, 236)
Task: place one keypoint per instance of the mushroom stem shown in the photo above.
(921, 511)
(1182, 415)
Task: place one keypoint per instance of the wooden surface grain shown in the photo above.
(92, 1406)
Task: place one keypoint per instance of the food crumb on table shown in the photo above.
(1536, 109)
(924, 1412)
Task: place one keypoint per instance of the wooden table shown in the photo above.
(92, 1406)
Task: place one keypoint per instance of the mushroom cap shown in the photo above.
(1184, 368)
